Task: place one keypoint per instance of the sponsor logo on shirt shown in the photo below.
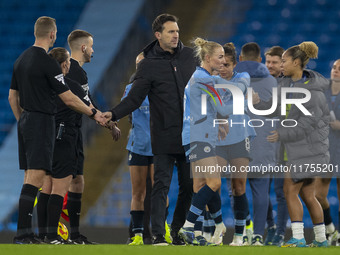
(192, 156)
(60, 77)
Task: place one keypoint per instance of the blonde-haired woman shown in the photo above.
(199, 138)
(304, 145)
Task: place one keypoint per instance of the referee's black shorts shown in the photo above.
(66, 153)
(36, 136)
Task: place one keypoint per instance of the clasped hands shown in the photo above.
(104, 119)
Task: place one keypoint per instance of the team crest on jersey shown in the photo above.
(207, 149)
(60, 77)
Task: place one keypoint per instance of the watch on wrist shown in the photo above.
(94, 111)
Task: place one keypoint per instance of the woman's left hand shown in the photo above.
(335, 125)
(274, 137)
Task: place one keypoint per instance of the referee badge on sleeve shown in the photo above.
(60, 77)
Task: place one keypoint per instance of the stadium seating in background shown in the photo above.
(268, 22)
(16, 34)
(288, 23)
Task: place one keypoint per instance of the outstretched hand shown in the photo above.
(107, 116)
(114, 130)
(100, 119)
(115, 133)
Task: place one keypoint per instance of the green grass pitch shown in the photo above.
(112, 249)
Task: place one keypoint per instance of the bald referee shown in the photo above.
(37, 80)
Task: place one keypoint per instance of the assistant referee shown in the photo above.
(37, 80)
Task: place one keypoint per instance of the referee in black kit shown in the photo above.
(81, 45)
(66, 158)
(37, 80)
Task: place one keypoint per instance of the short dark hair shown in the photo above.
(275, 51)
(157, 24)
(251, 51)
(75, 35)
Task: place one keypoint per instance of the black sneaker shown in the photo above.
(41, 238)
(177, 240)
(81, 240)
(57, 240)
(159, 240)
(27, 239)
(147, 239)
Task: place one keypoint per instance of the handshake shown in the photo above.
(105, 120)
(102, 118)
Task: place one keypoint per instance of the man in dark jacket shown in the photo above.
(163, 75)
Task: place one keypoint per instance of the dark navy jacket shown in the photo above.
(162, 76)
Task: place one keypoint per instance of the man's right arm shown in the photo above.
(14, 98)
(139, 90)
(76, 104)
(14, 102)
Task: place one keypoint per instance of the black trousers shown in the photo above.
(164, 165)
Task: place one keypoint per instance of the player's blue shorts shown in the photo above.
(237, 150)
(139, 160)
(199, 150)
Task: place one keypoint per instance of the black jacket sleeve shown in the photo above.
(139, 90)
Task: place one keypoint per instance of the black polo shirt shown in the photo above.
(78, 74)
(67, 115)
(39, 80)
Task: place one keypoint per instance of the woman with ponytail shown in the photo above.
(199, 137)
(304, 146)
